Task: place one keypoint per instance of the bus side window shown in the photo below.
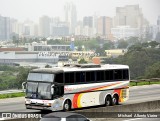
(55, 90)
(93, 76)
(83, 76)
(109, 75)
(125, 74)
(118, 74)
(58, 90)
(67, 77)
(100, 75)
(61, 90)
(59, 78)
(90, 76)
(70, 77)
(80, 77)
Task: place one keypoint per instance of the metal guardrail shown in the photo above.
(146, 80)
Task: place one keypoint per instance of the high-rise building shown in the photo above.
(124, 32)
(79, 28)
(13, 25)
(20, 29)
(88, 21)
(59, 29)
(130, 15)
(104, 27)
(36, 30)
(5, 30)
(158, 21)
(95, 22)
(70, 16)
(44, 26)
(88, 26)
(29, 28)
(153, 30)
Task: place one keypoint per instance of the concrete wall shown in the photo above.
(101, 112)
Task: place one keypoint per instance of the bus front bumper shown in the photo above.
(38, 107)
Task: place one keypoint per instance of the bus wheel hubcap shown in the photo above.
(66, 106)
(107, 101)
(114, 100)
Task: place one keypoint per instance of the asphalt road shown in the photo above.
(137, 94)
(143, 94)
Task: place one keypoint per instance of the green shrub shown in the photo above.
(12, 95)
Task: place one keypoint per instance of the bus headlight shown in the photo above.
(27, 101)
(48, 104)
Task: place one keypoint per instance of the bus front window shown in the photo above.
(44, 77)
(44, 91)
(38, 90)
(31, 90)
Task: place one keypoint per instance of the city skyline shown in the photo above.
(33, 10)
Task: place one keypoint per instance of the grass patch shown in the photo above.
(12, 95)
(144, 83)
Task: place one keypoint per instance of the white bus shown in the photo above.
(77, 86)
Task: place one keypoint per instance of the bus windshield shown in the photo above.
(39, 90)
(40, 77)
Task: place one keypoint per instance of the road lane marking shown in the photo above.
(133, 119)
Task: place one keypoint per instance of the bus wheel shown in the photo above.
(115, 99)
(108, 100)
(67, 105)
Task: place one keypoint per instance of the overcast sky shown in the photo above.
(33, 9)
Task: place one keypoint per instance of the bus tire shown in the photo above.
(115, 99)
(108, 100)
(67, 105)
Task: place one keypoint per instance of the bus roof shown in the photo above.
(80, 67)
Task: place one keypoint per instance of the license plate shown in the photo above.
(36, 107)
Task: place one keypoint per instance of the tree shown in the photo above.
(157, 37)
(22, 76)
(153, 44)
(82, 61)
(24, 40)
(153, 71)
(138, 58)
(48, 66)
(133, 40)
(100, 51)
(148, 36)
(15, 40)
(108, 45)
(122, 44)
(135, 48)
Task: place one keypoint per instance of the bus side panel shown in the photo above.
(88, 99)
(93, 94)
(103, 95)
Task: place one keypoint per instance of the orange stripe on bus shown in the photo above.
(77, 97)
(75, 101)
(98, 88)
